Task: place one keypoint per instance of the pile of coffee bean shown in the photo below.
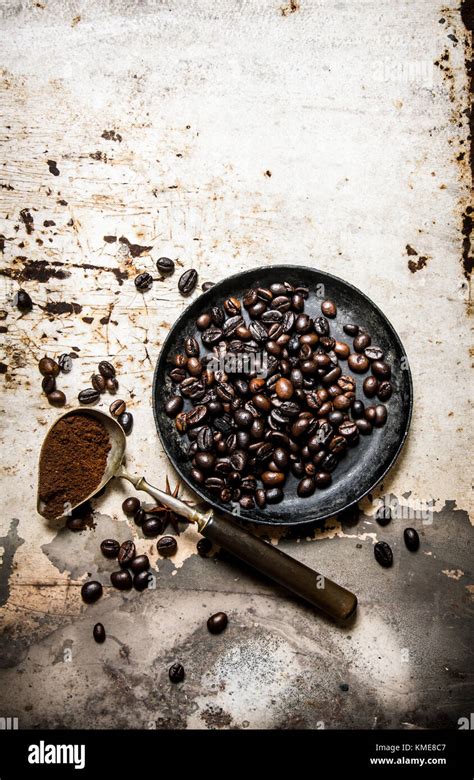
(248, 430)
(105, 380)
(165, 266)
(154, 521)
(50, 369)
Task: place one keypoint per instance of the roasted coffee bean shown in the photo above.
(111, 384)
(126, 421)
(361, 342)
(191, 347)
(264, 294)
(342, 350)
(211, 336)
(348, 430)
(351, 329)
(188, 281)
(364, 427)
(217, 316)
(207, 286)
(174, 405)
(56, 398)
(384, 514)
(322, 479)
(122, 580)
(329, 308)
(411, 539)
(181, 422)
(23, 301)
(106, 369)
(380, 415)
(98, 383)
(306, 487)
(117, 407)
(383, 554)
(197, 415)
(274, 495)
(152, 527)
(337, 445)
(48, 384)
(373, 353)
(91, 591)
(126, 553)
(143, 281)
(48, 367)
(381, 369)
(358, 363)
(65, 363)
(321, 326)
(230, 326)
(303, 323)
(341, 403)
(165, 266)
(98, 632)
(232, 306)
(250, 298)
(141, 580)
(273, 478)
(109, 548)
(246, 502)
(88, 396)
(139, 517)
(197, 476)
(205, 460)
(131, 506)
(260, 498)
(204, 547)
(167, 546)
(205, 439)
(358, 409)
(203, 322)
(194, 366)
(384, 391)
(370, 386)
(272, 316)
(176, 673)
(217, 623)
(370, 414)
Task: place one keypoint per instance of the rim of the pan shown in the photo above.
(183, 317)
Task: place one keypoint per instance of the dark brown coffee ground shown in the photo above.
(72, 462)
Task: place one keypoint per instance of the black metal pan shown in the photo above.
(365, 465)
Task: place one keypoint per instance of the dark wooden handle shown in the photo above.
(319, 591)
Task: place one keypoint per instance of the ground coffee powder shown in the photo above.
(72, 462)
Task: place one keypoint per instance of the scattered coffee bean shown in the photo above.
(370, 386)
(204, 547)
(411, 539)
(131, 506)
(111, 384)
(207, 286)
(380, 415)
(176, 673)
(329, 308)
(358, 363)
(187, 282)
(350, 329)
(141, 580)
(143, 281)
(98, 383)
(98, 633)
(165, 266)
(88, 396)
(126, 553)
(122, 580)
(381, 369)
(126, 421)
(139, 517)
(23, 301)
(117, 407)
(48, 384)
(106, 369)
(48, 366)
(383, 554)
(384, 391)
(152, 527)
(65, 363)
(109, 548)
(140, 563)
(56, 398)
(217, 623)
(167, 546)
(174, 405)
(91, 591)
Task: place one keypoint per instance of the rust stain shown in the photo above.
(53, 168)
(62, 307)
(417, 265)
(135, 250)
(111, 135)
(291, 8)
(98, 156)
(28, 221)
(410, 250)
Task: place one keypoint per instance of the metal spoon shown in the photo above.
(326, 595)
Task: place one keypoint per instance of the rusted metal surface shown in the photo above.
(225, 136)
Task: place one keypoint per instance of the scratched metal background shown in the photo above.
(227, 135)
